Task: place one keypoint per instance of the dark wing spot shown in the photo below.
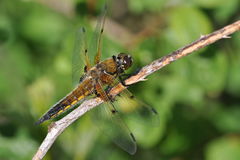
(154, 111)
(83, 29)
(133, 137)
(114, 111)
(85, 69)
(114, 58)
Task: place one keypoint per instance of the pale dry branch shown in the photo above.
(59, 126)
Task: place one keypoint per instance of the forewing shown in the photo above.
(79, 57)
(95, 47)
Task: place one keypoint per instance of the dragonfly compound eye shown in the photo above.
(124, 61)
(127, 61)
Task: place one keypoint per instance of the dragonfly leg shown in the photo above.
(81, 78)
(105, 96)
(121, 79)
(108, 89)
(97, 94)
(125, 76)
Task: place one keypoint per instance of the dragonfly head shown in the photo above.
(124, 61)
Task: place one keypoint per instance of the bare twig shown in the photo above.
(59, 126)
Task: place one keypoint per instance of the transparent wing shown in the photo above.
(109, 120)
(79, 57)
(135, 110)
(96, 41)
(115, 128)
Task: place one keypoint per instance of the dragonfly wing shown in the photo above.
(109, 120)
(136, 110)
(79, 57)
(96, 41)
(112, 125)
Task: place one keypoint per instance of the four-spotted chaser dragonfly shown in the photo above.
(97, 80)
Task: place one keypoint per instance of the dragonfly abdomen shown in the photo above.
(67, 102)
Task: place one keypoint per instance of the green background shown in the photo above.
(197, 97)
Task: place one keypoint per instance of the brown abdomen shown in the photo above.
(78, 94)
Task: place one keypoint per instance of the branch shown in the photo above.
(56, 128)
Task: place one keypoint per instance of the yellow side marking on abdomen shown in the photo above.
(59, 112)
(53, 116)
(86, 93)
(67, 107)
(74, 102)
(79, 98)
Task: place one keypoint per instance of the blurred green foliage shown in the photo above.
(197, 97)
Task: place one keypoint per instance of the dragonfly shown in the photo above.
(97, 79)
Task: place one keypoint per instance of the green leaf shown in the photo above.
(227, 147)
(227, 119)
(233, 85)
(186, 24)
(210, 73)
(150, 5)
(19, 147)
(210, 3)
(43, 26)
(174, 143)
(226, 10)
(6, 30)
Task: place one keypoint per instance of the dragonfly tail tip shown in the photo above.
(41, 120)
